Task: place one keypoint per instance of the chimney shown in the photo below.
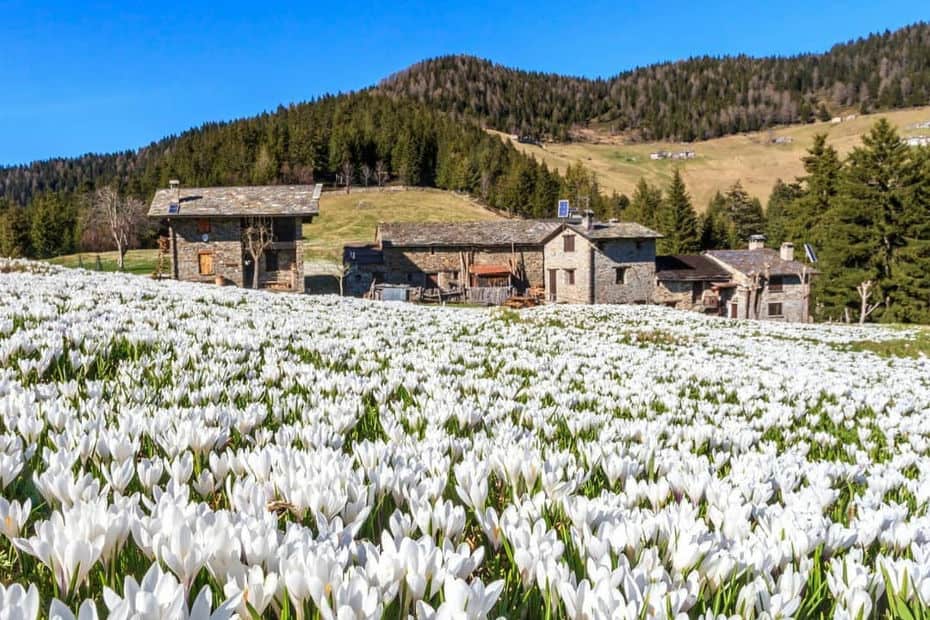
(175, 185)
(587, 220)
(787, 251)
(756, 242)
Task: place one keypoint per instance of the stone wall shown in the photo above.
(595, 268)
(791, 298)
(560, 263)
(224, 241)
(412, 265)
(637, 259)
(679, 294)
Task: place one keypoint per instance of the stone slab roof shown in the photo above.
(264, 200)
(466, 234)
(758, 261)
(615, 230)
(689, 267)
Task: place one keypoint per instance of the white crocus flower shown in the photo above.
(13, 516)
(18, 603)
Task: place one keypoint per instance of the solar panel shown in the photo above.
(563, 208)
(811, 254)
(174, 208)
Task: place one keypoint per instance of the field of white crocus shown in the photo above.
(180, 451)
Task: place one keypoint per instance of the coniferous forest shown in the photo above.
(868, 215)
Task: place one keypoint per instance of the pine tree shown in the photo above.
(866, 232)
(717, 230)
(645, 204)
(779, 212)
(745, 212)
(677, 220)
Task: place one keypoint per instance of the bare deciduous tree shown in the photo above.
(865, 308)
(341, 272)
(366, 172)
(348, 170)
(381, 173)
(257, 237)
(122, 216)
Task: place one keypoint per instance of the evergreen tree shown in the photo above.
(14, 231)
(866, 233)
(745, 213)
(779, 212)
(677, 220)
(717, 230)
(645, 204)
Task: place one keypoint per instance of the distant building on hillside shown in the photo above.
(917, 141)
(672, 155)
(205, 232)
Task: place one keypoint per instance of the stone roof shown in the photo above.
(689, 267)
(500, 232)
(760, 261)
(615, 230)
(468, 234)
(264, 200)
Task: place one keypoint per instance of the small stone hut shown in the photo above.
(205, 229)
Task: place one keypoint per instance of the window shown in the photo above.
(775, 310)
(776, 284)
(697, 291)
(203, 226)
(620, 275)
(284, 229)
(271, 260)
(569, 276)
(432, 251)
(568, 243)
(205, 263)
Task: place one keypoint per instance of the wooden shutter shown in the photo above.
(205, 263)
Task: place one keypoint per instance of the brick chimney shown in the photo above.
(587, 220)
(756, 242)
(787, 251)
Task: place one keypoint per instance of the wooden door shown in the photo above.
(553, 278)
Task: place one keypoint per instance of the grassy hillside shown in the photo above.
(719, 162)
(352, 218)
(344, 218)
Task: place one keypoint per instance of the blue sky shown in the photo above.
(79, 77)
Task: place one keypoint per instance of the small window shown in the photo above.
(697, 291)
(205, 263)
(203, 226)
(271, 260)
(569, 276)
(776, 284)
(568, 243)
(620, 275)
(432, 251)
(775, 310)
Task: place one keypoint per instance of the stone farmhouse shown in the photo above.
(586, 262)
(582, 262)
(205, 232)
(689, 282)
(765, 284)
(755, 283)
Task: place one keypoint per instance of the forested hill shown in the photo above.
(316, 141)
(698, 98)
